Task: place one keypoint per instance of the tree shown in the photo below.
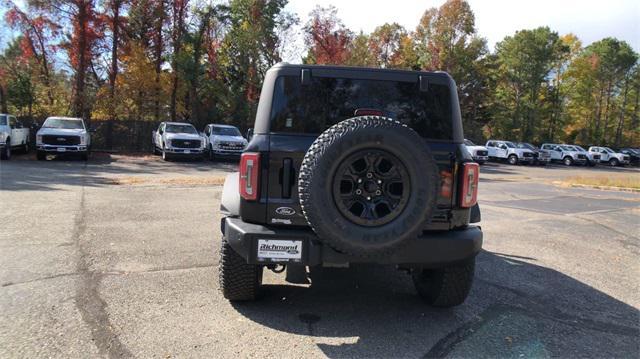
(115, 23)
(326, 37)
(385, 44)
(178, 18)
(247, 51)
(37, 30)
(86, 30)
(359, 52)
(207, 25)
(446, 39)
(597, 78)
(524, 62)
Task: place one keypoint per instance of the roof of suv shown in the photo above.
(65, 118)
(283, 65)
(178, 123)
(262, 120)
(224, 126)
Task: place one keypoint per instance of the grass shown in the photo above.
(617, 181)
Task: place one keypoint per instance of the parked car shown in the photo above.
(329, 181)
(62, 136)
(610, 156)
(565, 154)
(223, 141)
(540, 157)
(177, 139)
(634, 155)
(13, 135)
(507, 150)
(593, 158)
(480, 154)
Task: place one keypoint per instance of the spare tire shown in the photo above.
(368, 185)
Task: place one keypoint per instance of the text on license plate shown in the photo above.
(279, 250)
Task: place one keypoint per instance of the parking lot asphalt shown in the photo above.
(104, 259)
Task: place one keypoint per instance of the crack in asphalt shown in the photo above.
(7, 284)
(152, 270)
(88, 301)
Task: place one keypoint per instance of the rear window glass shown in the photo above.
(326, 101)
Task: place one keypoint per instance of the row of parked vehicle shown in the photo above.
(57, 135)
(180, 139)
(68, 135)
(63, 135)
(525, 153)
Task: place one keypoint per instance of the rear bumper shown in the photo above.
(432, 249)
(62, 149)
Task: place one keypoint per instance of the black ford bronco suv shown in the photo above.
(353, 165)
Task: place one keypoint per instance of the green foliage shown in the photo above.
(524, 62)
(247, 52)
(195, 61)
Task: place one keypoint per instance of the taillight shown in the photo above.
(249, 170)
(446, 184)
(470, 176)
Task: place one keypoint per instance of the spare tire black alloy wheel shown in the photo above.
(363, 190)
(371, 187)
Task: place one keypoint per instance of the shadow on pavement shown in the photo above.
(25, 173)
(516, 309)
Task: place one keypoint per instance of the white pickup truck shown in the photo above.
(610, 156)
(565, 153)
(507, 150)
(63, 135)
(593, 158)
(177, 139)
(12, 135)
(480, 154)
(224, 141)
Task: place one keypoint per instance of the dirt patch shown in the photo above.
(171, 181)
(623, 181)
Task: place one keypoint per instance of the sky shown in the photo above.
(589, 20)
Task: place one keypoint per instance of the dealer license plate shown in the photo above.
(279, 250)
(187, 151)
(62, 149)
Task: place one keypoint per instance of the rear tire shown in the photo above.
(445, 287)
(165, 155)
(239, 281)
(6, 151)
(568, 161)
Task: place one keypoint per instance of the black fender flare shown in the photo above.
(475, 216)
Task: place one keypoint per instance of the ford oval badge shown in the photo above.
(285, 211)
